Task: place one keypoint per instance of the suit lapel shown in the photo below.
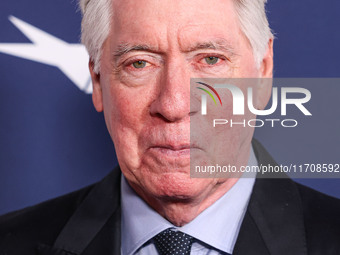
(95, 225)
(250, 240)
(275, 214)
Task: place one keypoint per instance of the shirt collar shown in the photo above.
(139, 221)
(217, 226)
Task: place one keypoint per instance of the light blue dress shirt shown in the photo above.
(215, 229)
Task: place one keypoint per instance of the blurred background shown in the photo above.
(52, 141)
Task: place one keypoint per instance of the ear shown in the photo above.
(266, 69)
(97, 97)
(264, 87)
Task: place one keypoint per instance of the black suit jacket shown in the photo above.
(282, 218)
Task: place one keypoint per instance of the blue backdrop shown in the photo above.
(51, 139)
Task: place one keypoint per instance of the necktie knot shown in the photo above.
(171, 242)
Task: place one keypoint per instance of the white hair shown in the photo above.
(95, 27)
(255, 26)
(97, 14)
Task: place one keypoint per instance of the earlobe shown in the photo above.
(268, 61)
(263, 93)
(97, 97)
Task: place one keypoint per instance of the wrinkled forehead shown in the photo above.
(161, 22)
(175, 11)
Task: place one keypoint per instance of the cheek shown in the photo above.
(250, 69)
(123, 116)
(223, 144)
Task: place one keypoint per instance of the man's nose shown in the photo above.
(172, 101)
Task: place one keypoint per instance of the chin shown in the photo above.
(178, 186)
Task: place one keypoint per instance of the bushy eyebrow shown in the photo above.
(219, 44)
(125, 48)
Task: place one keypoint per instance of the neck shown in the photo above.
(181, 211)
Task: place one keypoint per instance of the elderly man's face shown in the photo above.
(153, 50)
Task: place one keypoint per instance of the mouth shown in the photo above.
(180, 150)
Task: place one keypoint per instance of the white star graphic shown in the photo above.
(71, 59)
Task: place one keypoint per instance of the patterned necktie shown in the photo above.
(171, 242)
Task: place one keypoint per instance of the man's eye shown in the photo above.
(211, 60)
(139, 64)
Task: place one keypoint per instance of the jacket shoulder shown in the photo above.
(322, 221)
(20, 231)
